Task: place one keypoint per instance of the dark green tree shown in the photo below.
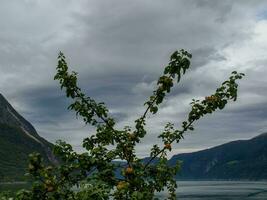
(90, 175)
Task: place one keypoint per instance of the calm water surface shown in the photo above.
(220, 190)
(202, 190)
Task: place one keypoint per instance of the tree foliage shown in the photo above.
(91, 175)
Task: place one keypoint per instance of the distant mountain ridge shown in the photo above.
(241, 159)
(18, 138)
(236, 160)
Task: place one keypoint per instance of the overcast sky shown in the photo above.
(119, 48)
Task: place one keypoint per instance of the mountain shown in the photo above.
(18, 139)
(241, 159)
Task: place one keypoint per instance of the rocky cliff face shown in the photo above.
(18, 138)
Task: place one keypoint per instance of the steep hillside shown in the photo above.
(18, 138)
(242, 159)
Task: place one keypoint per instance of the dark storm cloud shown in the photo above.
(46, 102)
(119, 49)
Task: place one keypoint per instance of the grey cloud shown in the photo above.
(223, 8)
(119, 49)
(202, 56)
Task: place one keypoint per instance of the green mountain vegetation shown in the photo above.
(18, 139)
(242, 159)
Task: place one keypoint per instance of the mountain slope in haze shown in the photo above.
(242, 159)
(18, 139)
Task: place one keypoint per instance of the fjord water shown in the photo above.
(220, 190)
(199, 190)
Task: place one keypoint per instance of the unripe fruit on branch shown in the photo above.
(49, 189)
(131, 136)
(168, 146)
(121, 185)
(49, 186)
(129, 170)
(211, 98)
